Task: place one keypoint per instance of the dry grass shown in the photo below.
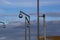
(51, 38)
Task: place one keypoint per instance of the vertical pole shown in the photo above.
(28, 20)
(29, 28)
(37, 19)
(44, 27)
(25, 29)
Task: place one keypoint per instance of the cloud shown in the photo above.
(18, 33)
(53, 14)
(26, 3)
(8, 15)
(15, 24)
(2, 38)
(17, 4)
(48, 14)
(46, 3)
(6, 2)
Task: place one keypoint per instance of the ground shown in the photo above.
(51, 38)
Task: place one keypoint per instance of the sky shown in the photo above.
(9, 11)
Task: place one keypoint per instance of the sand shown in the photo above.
(51, 38)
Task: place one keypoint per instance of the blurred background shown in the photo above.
(9, 11)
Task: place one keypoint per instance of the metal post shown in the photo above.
(37, 19)
(28, 20)
(29, 28)
(29, 32)
(25, 29)
(44, 23)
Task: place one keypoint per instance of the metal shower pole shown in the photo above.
(27, 19)
(44, 23)
(25, 29)
(37, 19)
